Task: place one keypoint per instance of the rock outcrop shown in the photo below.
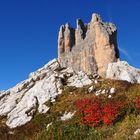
(121, 70)
(89, 47)
(2, 91)
(21, 102)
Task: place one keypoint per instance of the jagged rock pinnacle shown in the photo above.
(80, 31)
(96, 18)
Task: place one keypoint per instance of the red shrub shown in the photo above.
(91, 110)
(96, 110)
(137, 103)
(111, 110)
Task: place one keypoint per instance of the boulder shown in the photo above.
(121, 70)
(67, 115)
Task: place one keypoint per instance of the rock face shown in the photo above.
(21, 102)
(121, 70)
(1, 92)
(89, 47)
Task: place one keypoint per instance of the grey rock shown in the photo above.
(103, 91)
(121, 70)
(112, 90)
(91, 89)
(137, 131)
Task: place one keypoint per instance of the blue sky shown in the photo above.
(29, 29)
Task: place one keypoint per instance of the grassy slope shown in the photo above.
(72, 129)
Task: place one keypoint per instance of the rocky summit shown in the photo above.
(90, 47)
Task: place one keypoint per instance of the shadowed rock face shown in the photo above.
(89, 47)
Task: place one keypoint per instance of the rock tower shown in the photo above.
(90, 47)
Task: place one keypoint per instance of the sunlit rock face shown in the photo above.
(90, 47)
(21, 102)
(121, 70)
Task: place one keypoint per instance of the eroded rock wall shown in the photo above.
(89, 47)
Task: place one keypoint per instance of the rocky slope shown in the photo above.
(21, 102)
(62, 121)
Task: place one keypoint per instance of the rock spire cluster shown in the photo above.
(90, 47)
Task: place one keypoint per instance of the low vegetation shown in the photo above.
(96, 117)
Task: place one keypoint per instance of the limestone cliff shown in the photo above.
(90, 47)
